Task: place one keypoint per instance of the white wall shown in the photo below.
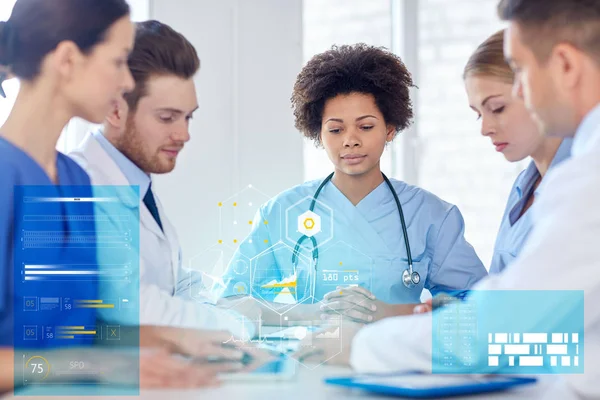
(243, 133)
(454, 160)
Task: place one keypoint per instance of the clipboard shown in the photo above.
(424, 386)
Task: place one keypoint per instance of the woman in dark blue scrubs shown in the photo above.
(71, 58)
(54, 58)
(67, 69)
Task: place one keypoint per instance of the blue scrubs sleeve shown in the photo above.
(252, 264)
(6, 251)
(455, 265)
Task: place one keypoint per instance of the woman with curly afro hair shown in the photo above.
(353, 101)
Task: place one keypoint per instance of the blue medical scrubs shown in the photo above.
(18, 172)
(515, 228)
(357, 245)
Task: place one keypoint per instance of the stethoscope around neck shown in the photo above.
(410, 278)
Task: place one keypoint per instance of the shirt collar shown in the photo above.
(132, 172)
(531, 174)
(527, 179)
(587, 133)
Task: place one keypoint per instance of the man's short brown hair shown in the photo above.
(545, 23)
(158, 50)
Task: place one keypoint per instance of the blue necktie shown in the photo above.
(151, 205)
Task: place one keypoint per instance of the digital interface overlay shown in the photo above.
(510, 332)
(76, 268)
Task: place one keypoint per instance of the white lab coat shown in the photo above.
(161, 272)
(562, 253)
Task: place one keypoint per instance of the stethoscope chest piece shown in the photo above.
(410, 278)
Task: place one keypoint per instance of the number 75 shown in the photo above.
(37, 368)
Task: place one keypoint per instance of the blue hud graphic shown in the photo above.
(509, 332)
(75, 275)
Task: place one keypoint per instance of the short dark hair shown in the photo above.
(159, 50)
(348, 69)
(548, 22)
(36, 27)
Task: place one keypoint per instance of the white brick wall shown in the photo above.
(455, 161)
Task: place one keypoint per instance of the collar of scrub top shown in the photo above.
(135, 176)
(5, 75)
(409, 277)
(525, 184)
(531, 173)
(2, 79)
(588, 132)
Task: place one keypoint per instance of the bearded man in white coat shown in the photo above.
(143, 135)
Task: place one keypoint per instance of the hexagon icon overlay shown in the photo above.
(301, 221)
(309, 223)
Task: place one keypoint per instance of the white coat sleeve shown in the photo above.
(190, 284)
(562, 253)
(158, 307)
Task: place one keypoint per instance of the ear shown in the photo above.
(66, 57)
(117, 117)
(517, 88)
(567, 64)
(391, 133)
(520, 92)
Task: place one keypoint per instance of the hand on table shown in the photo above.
(331, 345)
(424, 307)
(436, 302)
(177, 357)
(160, 369)
(195, 343)
(357, 304)
(168, 357)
